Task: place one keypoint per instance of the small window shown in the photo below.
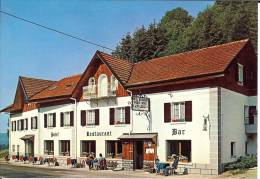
(25, 124)
(48, 147)
(113, 149)
(14, 125)
(88, 147)
(178, 112)
(120, 115)
(233, 149)
(34, 122)
(66, 118)
(50, 120)
(181, 148)
(64, 147)
(13, 148)
(91, 81)
(18, 148)
(90, 117)
(114, 83)
(240, 74)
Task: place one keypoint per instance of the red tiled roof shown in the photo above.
(121, 68)
(33, 85)
(63, 87)
(204, 61)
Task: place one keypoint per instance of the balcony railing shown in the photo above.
(251, 125)
(91, 92)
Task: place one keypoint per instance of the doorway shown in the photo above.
(29, 148)
(138, 154)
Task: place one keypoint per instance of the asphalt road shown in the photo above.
(12, 171)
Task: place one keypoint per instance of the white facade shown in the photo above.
(232, 125)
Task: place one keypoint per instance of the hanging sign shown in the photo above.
(140, 103)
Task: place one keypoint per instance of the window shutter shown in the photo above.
(31, 123)
(188, 111)
(62, 119)
(127, 115)
(83, 117)
(71, 118)
(26, 123)
(22, 124)
(36, 122)
(45, 120)
(112, 116)
(252, 112)
(236, 71)
(54, 120)
(167, 112)
(96, 116)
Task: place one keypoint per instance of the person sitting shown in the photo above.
(100, 161)
(173, 167)
(156, 161)
(90, 161)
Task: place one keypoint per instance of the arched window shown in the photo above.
(102, 85)
(91, 81)
(114, 83)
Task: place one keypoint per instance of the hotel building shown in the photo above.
(200, 105)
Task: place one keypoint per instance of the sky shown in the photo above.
(28, 50)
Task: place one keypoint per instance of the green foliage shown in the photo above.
(178, 31)
(242, 163)
(3, 153)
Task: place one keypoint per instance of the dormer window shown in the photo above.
(240, 74)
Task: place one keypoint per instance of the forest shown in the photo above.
(178, 31)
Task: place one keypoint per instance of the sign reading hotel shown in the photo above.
(108, 133)
(140, 103)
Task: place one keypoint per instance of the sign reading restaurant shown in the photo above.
(140, 103)
(108, 133)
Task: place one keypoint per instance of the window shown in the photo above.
(18, 149)
(120, 116)
(48, 147)
(182, 148)
(114, 83)
(34, 122)
(13, 148)
(178, 112)
(246, 143)
(88, 147)
(102, 85)
(113, 149)
(91, 81)
(64, 147)
(91, 117)
(20, 125)
(25, 124)
(14, 125)
(50, 120)
(67, 119)
(240, 74)
(233, 152)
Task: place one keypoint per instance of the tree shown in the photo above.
(123, 50)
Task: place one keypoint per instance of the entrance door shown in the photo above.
(138, 155)
(29, 148)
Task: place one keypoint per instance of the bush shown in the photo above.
(242, 163)
(3, 153)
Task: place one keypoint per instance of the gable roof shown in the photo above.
(119, 67)
(61, 88)
(32, 86)
(206, 61)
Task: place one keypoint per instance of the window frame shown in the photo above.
(86, 144)
(50, 121)
(121, 118)
(34, 122)
(181, 112)
(67, 148)
(117, 144)
(46, 150)
(90, 117)
(240, 74)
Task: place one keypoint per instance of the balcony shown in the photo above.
(251, 125)
(99, 92)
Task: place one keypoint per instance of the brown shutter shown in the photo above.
(112, 116)
(45, 120)
(36, 122)
(252, 112)
(83, 117)
(22, 124)
(61, 119)
(54, 120)
(236, 71)
(26, 121)
(127, 114)
(14, 125)
(31, 122)
(71, 118)
(167, 112)
(96, 116)
(188, 111)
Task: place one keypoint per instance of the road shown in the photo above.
(12, 171)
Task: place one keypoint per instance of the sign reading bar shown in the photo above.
(178, 132)
(109, 133)
(140, 103)
(54, 134)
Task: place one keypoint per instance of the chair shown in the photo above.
(174, 166)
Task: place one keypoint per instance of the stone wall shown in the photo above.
(128, 164)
